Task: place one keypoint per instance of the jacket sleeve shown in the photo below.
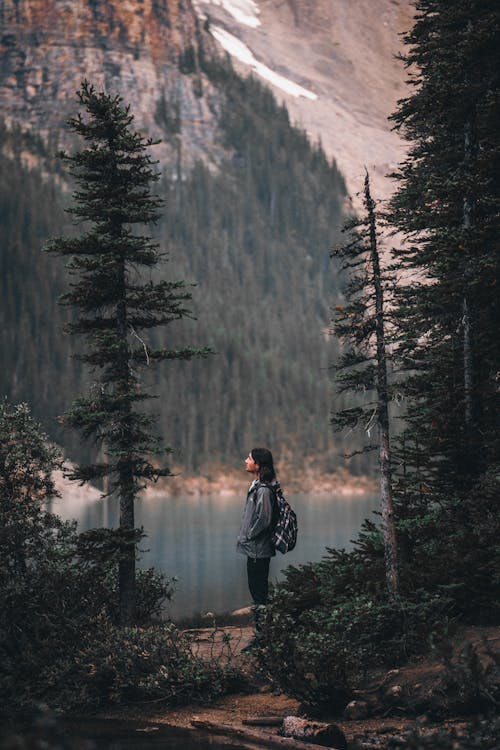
(263, 512)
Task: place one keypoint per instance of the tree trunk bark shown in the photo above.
(388, 525)
(262, 739)
(126, 487)
(126, 568)
(318, 732)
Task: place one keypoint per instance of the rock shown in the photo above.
(392, 672)
(423, 719)
(130, 48)
(244, 611)
(266, 689)
(396, 691)
(357, 710)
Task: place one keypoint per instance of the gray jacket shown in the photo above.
(254, 539)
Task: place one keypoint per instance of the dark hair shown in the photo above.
(264, 458)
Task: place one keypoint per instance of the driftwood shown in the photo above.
(264, 721)
(317, 732)
(257, 737)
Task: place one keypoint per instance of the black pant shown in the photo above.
(258, 574)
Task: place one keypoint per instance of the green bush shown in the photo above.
(59, 643)
(320, 654)
(453, 546)
(331, 622)
(114, 665)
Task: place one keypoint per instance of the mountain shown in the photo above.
(332, 62)
(340, 56)
(252, 210)
(135, 48)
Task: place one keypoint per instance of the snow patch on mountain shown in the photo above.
(243, 11)
(238, 49)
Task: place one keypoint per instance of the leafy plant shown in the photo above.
(123, 665)
(332, 622)
(59, 642)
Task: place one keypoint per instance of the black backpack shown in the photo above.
(284, 536)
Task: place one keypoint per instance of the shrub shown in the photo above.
(320, 655)
(454, 547)
(116, 665)
(58, 639)
(331, 622)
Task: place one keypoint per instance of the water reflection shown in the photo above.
(194, 539)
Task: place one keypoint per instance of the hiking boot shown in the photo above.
(260, 617)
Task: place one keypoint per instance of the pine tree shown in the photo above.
(115, 306)
(447, 207)
(361, 324)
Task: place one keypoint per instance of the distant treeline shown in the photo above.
(254, 236)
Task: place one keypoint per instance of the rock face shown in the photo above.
(149, 52)
(344, 52)
(132, 47)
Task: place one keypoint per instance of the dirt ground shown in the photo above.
(261, 700)
(232, 709)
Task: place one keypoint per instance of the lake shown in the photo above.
(194, 539)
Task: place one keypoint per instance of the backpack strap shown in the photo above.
(274, 501)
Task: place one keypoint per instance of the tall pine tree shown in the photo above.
(115, 306)
(447, 206)
(363, 368)
(448, 304)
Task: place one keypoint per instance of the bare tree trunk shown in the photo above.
(317, 732)
(388, 525)
(257, 737)
(470, 148)
(126, 487)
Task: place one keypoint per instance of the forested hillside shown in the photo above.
(36, 366)
(253, 235)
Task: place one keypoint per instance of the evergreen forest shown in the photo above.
(254, 237)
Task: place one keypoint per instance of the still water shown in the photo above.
(194, 539)
(95, 734)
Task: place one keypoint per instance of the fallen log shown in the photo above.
(260, 738)
(264, 721)
(315, 732)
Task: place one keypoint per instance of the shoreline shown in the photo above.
(224, 481)
(230, 481)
